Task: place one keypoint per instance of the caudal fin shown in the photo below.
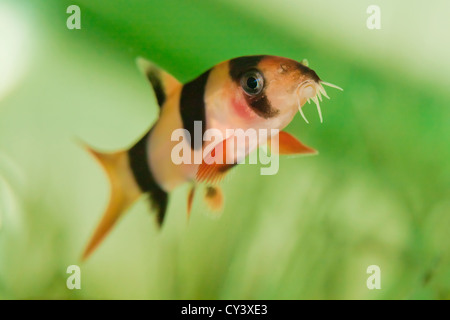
(124, 191)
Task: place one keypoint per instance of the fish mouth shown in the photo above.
(312, 90)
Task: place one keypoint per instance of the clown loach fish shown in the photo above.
(259, 92)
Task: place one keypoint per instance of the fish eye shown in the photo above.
(252, 82)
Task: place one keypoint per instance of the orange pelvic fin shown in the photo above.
(124, 192)
(214, 198)
(190, 200)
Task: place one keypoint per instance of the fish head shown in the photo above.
(267, 91)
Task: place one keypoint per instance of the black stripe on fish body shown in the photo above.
(259, 103)
(192, 105)
(159, 199)
(153, 76)
(142, 173)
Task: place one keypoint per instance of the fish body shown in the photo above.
(252, 92)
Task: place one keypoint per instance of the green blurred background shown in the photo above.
(378, 193)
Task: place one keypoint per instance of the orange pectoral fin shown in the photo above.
(289, 145)
(214, 167)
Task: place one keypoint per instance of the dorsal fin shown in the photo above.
(162, 82)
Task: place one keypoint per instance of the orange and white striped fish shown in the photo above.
(251, 92)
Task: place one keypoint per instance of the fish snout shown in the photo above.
(306, 90)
